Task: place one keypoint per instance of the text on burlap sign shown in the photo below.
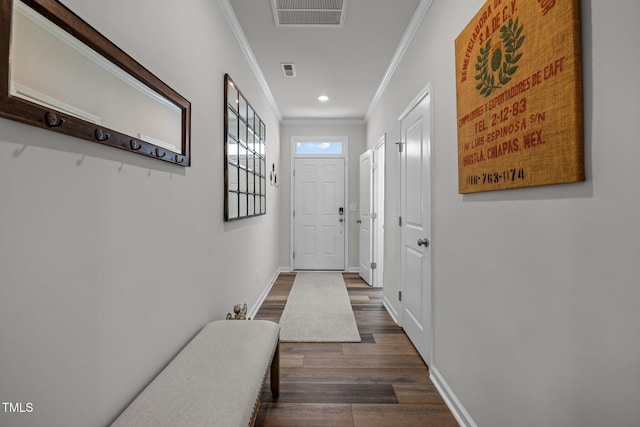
(519, 96)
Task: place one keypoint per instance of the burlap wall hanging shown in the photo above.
(519, 96)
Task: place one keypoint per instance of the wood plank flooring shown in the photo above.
(381, 381)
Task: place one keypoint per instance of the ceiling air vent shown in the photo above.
(288, 70)
(318, 13)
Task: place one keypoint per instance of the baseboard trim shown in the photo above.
(459, 412)
(390, 310)
(256, 307)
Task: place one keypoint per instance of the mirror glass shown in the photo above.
(232, 96)
(243, 133)
(233, 124)
(250, 139)
(250, 184)
(233, 178)
(243, 181)
(243, 156)
(243, 108)
(232, 151)
(251, 209)
(233, 205)
(62, 80)
(250, 116)
(243, 205)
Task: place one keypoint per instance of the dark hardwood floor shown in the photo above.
(381, 381)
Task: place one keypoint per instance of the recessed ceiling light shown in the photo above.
(323, 98)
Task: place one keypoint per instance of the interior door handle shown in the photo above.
(359, 221)
(423, 242)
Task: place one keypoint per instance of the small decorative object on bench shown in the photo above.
(240, 312)
(216, 380)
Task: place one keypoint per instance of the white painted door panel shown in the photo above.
(365, 220)
(378, 212)
(319, 225)
(415, 196)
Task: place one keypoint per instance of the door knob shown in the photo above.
(423, 242)
(359, 221)
(341, 219)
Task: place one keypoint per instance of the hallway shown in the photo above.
(381, 381)
(112, 260)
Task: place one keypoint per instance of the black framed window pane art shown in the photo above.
(245, 193)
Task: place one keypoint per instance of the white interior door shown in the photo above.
(378, 212)
(415, 195)
(365, 220)
(319, 214)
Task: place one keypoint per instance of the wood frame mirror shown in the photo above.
(59, 73)
(245, 158)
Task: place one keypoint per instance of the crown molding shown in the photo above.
(416, 20)
(232, 19)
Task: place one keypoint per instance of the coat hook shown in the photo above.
(158, 153)
(53, 120)
(101, 135)
(132, 144)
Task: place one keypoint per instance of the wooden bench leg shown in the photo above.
(275, 373)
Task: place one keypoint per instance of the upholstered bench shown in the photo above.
(216, 380)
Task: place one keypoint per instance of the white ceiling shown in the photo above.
(346, 63)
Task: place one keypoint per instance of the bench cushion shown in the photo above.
(215, 380)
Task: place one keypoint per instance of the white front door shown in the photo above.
(415, 206)
(319, 214)
(365, 220)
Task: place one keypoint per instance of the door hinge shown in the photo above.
(400, 221)
(399, 295)
(400, 146)
(294, 172)
(294, 254)
(374, 215)
(294, 213)
(374, 265)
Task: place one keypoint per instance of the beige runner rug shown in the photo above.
(318, 310)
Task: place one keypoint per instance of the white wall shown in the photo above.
(109, 261)
(536, 290)
(357, 145)
(86, 84)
